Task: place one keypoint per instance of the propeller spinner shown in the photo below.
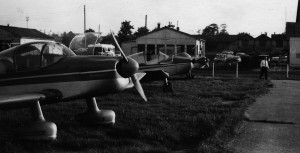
(127, 67)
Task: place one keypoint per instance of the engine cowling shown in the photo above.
(127, 69)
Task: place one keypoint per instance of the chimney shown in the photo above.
(8, 25)
(298, 13)
(158, 25)
(146, 21)
(177, 28)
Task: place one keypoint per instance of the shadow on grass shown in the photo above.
(195, 118)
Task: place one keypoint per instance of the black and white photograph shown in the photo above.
(150, 76)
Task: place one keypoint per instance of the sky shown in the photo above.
(57, 16)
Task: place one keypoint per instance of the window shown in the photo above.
(33, 56)
(180, 49)
(160, 48)
(141, 47)
(245, 43)
(191, 50)
(170, 50)
(279, 43)
(28, 57)
(263, 43)
(151, 49)
(52, 53)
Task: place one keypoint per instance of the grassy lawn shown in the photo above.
(200, 116)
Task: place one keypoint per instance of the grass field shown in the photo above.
(200, 116)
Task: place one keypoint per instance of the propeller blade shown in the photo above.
(138, 86)
(134, 78)
(122, 53)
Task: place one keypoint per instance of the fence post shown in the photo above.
(287, 70)
(213, 69)
(237, 70)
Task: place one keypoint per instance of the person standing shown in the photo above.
(264, 67)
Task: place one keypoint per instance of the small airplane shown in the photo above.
(156, 67)
(39, 73)
(161, 66)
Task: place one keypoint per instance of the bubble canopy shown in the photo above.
(82, 41)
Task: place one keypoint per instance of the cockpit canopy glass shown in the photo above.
(32, 56)
(80, 43)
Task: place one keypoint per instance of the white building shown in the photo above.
(167, 40)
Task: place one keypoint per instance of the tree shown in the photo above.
(56, 37)
(125, 32)
(67, 37)
(243, 33)
(223, 30)
(108, 39)
(199, 31)
(90, 30)
(212, 29)
(141, 31)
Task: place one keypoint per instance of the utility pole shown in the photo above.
(146, 21)
(84, 26)
(27, 19)
(84, 19)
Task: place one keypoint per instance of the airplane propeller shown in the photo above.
(129, 61)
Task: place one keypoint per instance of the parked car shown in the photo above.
(227, 52)
(283, 60)
(262, 56)
(242, 54)
(220, 58)
(228, 58)
(274, 61)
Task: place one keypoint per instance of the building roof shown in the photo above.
(278, 37)
(224, 38)
(263, 37)
(292, 29)
(163, 28)
(24, 32)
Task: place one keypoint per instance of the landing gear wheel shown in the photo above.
(39, 130)
(99, 117)
(94, 116)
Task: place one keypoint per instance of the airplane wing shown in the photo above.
(155, 75)
(27, 99)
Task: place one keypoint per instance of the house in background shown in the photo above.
(280, 44)
(13, 36)
(167, 40)
(217, 43)
(293, 35)
(277, 44)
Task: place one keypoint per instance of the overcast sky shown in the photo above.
(252, 16)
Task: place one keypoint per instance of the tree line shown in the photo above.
(126, 34)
